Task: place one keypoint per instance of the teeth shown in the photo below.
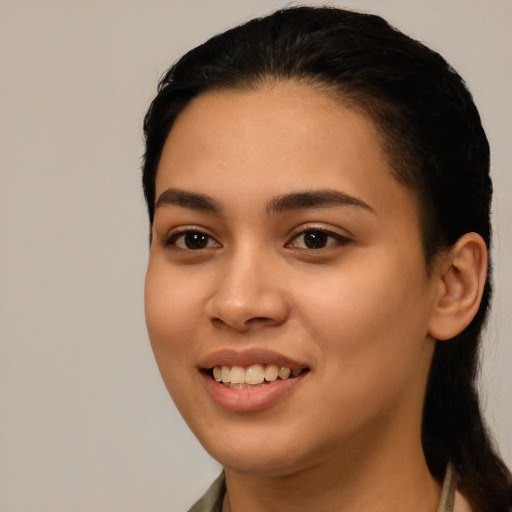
(237, 375)
(253, 375)
(271, 373)
(225, 374)
(284, 372)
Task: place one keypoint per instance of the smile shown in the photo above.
(252, 379)
(255, 375)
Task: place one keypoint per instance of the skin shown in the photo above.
(357, 312)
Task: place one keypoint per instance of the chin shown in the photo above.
(263, 452)
(247, 451)
(259, 462)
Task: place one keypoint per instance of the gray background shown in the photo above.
(85, 422)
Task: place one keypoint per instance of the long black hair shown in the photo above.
(433, 136)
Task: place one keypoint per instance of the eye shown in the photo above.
(191, 240)
(316, 239)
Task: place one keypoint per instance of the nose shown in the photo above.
(248, 295)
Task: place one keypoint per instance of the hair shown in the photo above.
(432, 134)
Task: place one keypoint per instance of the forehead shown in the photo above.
(276, 136)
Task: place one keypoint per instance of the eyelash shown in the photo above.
(171, 241)
(325, 235)
(339, 240)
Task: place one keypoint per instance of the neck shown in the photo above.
(381, 480)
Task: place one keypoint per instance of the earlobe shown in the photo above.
(462, 276)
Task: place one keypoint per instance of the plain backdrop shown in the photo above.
(85, 422)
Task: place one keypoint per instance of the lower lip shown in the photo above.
(252, 399)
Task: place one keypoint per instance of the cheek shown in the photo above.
(171, 311)
(371, 332)
(373, 314)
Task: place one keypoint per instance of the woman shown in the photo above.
(318, 190)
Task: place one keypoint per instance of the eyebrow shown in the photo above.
(314, 199)
(280, 204)
(186, 199)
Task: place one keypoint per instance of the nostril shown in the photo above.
(242, 321)
(259, 319)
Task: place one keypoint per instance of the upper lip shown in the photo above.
(246, 357)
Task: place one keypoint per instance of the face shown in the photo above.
(287, 296)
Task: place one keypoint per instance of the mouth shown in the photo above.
(251, 380)
(254, 375)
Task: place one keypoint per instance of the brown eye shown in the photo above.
(195, 240)
(191, 241)
(317, 239)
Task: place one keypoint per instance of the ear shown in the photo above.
(462, 273)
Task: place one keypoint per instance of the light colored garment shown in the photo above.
(212, 499)
(447, 501)
(451, 501)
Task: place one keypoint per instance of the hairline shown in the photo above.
(364, 104)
